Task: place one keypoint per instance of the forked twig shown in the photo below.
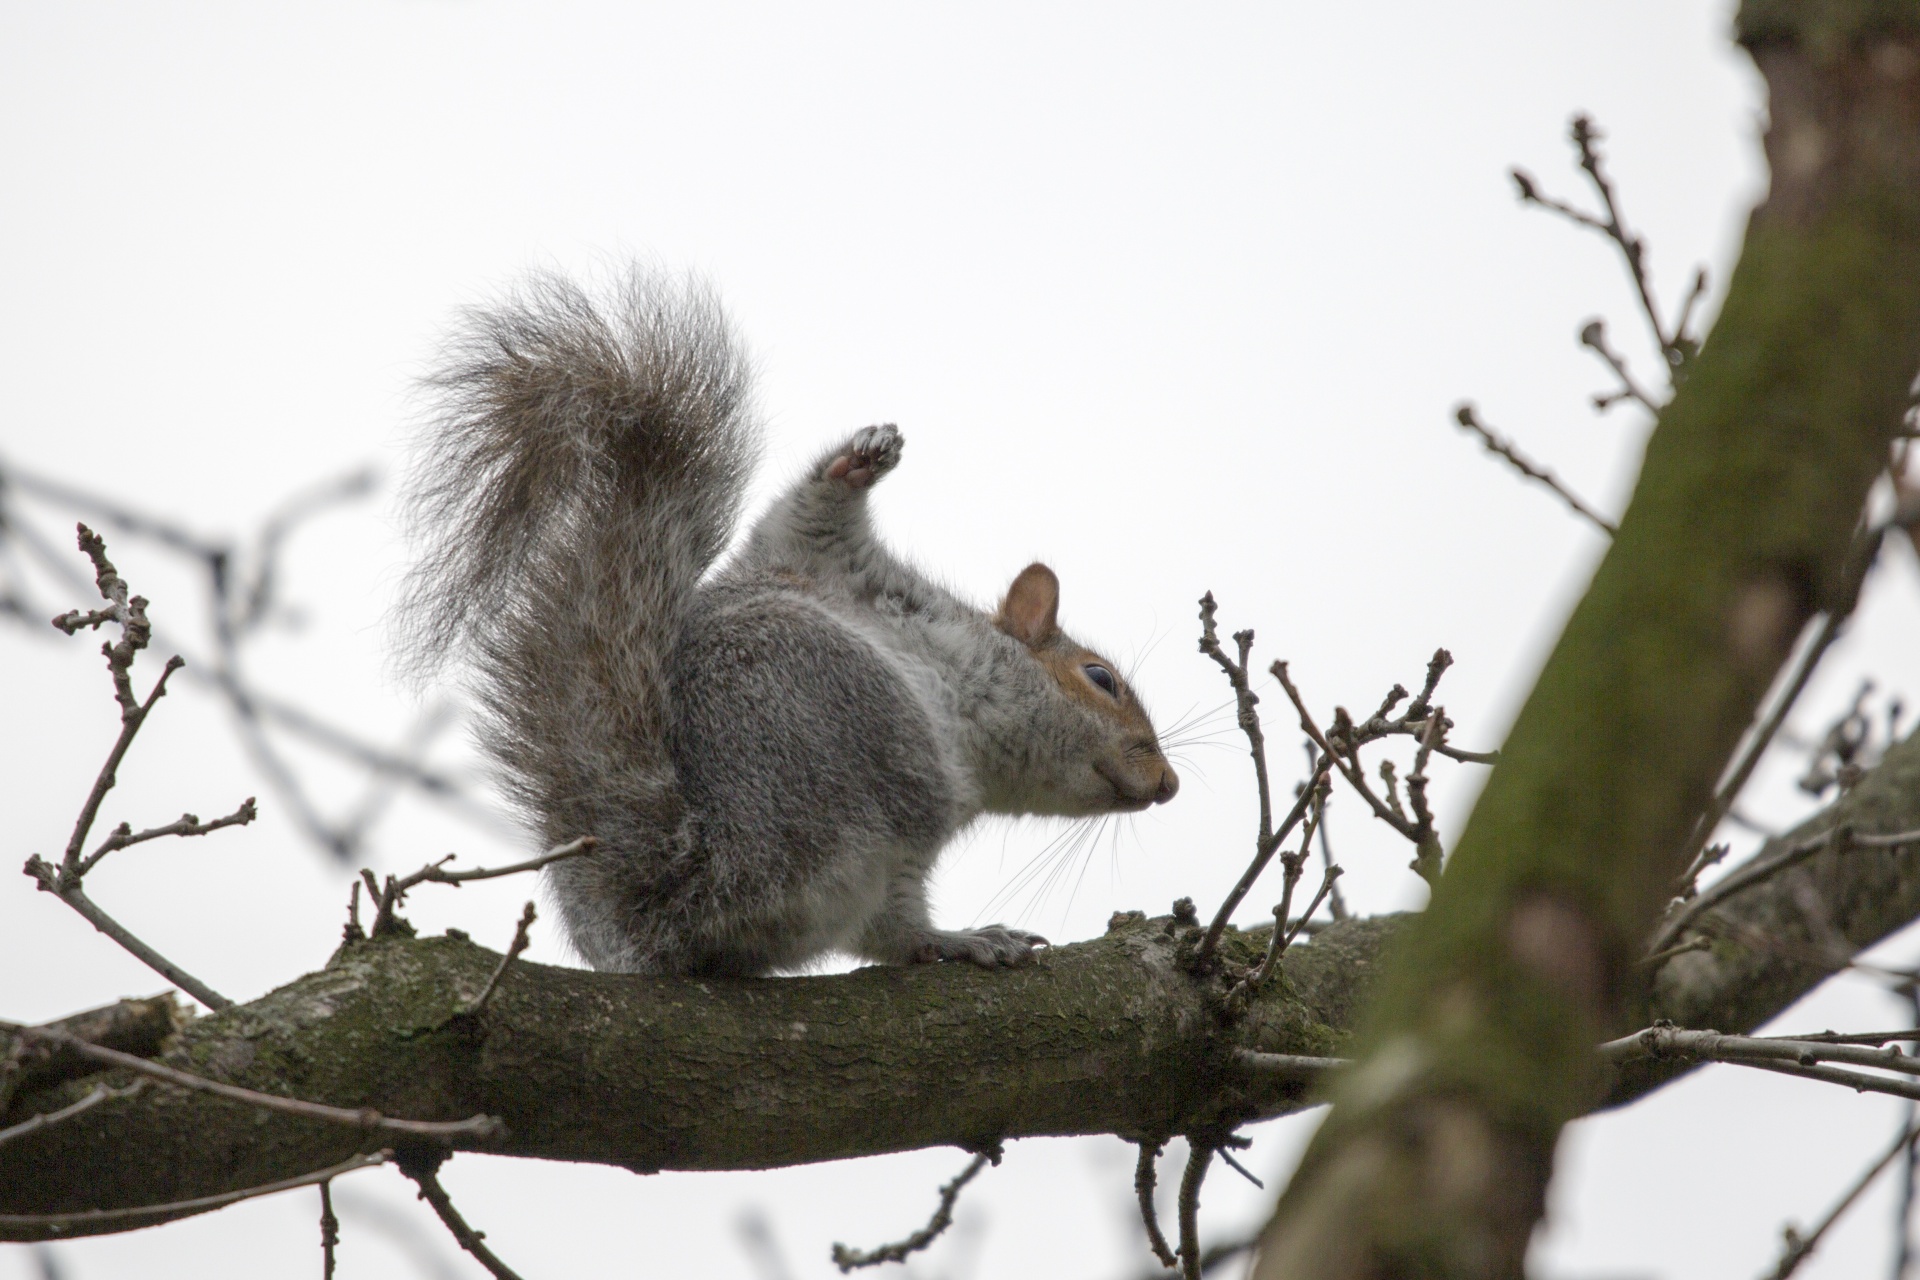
(518, 945)
(64, 880)
(386, 898)
(848, 1259)
(424, 1170)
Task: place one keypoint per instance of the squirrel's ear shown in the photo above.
(1029, 612)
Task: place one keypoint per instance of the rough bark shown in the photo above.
(1110, 1036)
(1778, 940)
(1104, 1037)
(1479, 1048)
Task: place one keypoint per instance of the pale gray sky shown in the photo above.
(1175, 298)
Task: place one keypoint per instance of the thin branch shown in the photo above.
(423, 1175)
(475, 1127)
(1199, 1156)
(329, 1231)
(518, 945)
(88, 1219)
(1593, 336)
(1269, 840)
(1143, 1188)
(386, 899)
(1469, 418)
(848, 1259)
(1291, 1065)
(1336, 901)
(1259, 864)
(125, 837)
(1226, 1158)
(1674, 344)
(436, 873)
(1284, 933)
(48, 877)
(100, 1094)
(1798, 1247)
(129, 612)
(1758, 741)
(133, 715)
(1745, 876)
(1427, 861)
(1327, 886)
(1861, 552)
(1712, 1046)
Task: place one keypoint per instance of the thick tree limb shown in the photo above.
(346, 1028)
(1109, 1036)
(1436, 1157)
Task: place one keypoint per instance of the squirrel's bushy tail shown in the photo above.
(585, 469)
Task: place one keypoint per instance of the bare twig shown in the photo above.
(424, 1172)
(1593, 336)
(125, 837)
(1797, 1248)
(129, 613)
(238, 605)
(1143, 1187)
(1284, 933)
(1745, 876)
(87, 1219)
(436, 873)
(386, 899)
(1757, 741)
(848, 1259)
(1336, 901)
(476, 1127)
(1226, 1158)
(75, 897)
(1269, 839)
(100, 1094)
(518, 945)
(1675, 346)
(1467, 416)
(1290, 1065)
(1345, 756)
(1909, 1168)
(1199, 1156)
(329, 1231)
(1861, 552)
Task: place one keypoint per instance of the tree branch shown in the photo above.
(1436, 1155)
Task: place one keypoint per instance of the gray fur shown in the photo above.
(772, 758)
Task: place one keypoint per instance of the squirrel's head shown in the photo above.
(1098, 751)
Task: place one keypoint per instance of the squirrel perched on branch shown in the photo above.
(770, 756)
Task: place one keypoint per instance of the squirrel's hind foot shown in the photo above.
(994, 947)
(871, 453)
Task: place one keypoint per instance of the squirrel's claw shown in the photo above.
(994, 947)
(871, 453)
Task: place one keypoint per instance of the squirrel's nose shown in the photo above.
(1169, 785)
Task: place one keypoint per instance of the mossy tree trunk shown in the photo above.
(1479, 1047)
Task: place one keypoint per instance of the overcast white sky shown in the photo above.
(1176, 298)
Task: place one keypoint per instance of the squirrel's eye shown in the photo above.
(1102, 677)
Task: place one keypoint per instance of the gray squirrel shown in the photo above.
(770, 754)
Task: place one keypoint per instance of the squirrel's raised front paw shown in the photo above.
(993, 947)
(871, 453)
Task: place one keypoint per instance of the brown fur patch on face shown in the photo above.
(1065, 661)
